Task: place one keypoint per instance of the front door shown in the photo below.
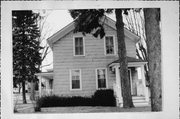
(133, 83)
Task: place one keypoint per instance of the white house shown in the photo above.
(84, 64)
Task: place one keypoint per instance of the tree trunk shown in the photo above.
(125, 81)
(24, 92)
(152, 28)
(19, 88)
(32, 96)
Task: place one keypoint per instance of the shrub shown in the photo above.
(104, 98)
(37, 106)
(37, 109)
(100, 98)
(56, 101)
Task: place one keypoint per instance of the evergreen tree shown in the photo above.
(26, 47)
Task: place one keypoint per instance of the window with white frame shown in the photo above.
(78, 46)
(75, 79)
(101, 78)
(109, 45)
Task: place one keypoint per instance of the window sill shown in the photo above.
(79, 55)
(113, 55)
(102, 88)
(75, 89)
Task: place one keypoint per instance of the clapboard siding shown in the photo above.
(64, 61)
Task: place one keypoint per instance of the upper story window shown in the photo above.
(109, 45)
(78, 46)
(75, 81)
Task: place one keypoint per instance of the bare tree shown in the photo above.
(45, 32)
(134, 21)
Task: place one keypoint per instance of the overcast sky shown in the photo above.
(58, 19)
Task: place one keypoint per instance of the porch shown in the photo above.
(139, 90)
(45, 83)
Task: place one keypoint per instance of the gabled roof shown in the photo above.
(70, 27)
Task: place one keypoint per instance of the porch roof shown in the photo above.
(131, 62)
(47, 75)
(131, 59)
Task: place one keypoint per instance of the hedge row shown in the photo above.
(100, 98)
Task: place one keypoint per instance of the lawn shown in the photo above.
(89, 109)
(85, 109)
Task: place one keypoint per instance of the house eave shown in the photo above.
(47, 75)
(130, 64)
(127, 32)
(59, 34)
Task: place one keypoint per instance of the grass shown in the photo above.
(86, 109)
(97, 109)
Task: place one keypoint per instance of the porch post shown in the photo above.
(40, 78)
(118, 85)
(47, 86)
(144, 84)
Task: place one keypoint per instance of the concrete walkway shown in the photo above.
(23, 108)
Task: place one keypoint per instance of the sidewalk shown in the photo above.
(23, 108)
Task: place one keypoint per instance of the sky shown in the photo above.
(58, 19)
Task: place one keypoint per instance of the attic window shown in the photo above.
(109, 45)
(78, 46)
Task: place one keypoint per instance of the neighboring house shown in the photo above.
(84, 64)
